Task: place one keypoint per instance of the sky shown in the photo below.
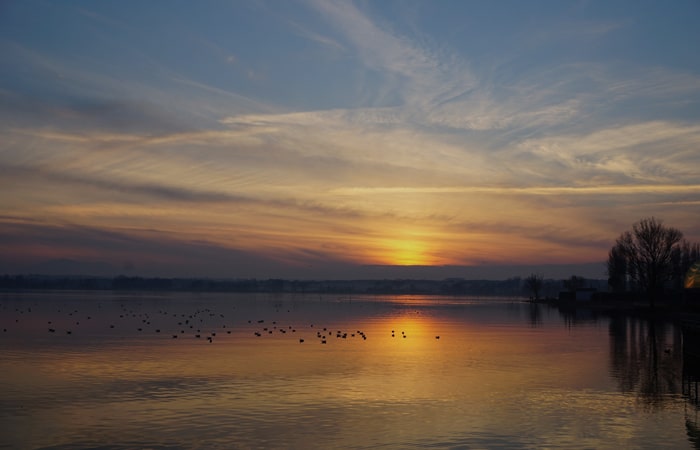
(339, 139)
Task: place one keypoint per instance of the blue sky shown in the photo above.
(313, 139)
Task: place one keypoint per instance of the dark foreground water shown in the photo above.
(503, 374)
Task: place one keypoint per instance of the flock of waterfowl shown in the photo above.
(202, 323)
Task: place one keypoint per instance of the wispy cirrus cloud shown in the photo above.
(652, 152)
(317, 37)
(417, 75)
(371, 132)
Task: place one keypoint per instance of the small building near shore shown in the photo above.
(579, 295)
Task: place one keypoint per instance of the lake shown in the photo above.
(110, 370)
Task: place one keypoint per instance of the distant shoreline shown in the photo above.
(449, 286)
(678, 307)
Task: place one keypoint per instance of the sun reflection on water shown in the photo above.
(382, 377)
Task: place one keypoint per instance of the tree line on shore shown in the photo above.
(451, 286)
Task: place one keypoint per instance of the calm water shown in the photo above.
(503, 374)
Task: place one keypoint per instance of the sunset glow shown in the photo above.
(407, 253)
(315, 139)
(405, 248)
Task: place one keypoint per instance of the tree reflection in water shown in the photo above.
(658, 362)
(691, 380)
(646, 358)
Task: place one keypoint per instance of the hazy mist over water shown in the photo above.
(394, 372)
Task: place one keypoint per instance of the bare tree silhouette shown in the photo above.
(533, 283)
(647, 251)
